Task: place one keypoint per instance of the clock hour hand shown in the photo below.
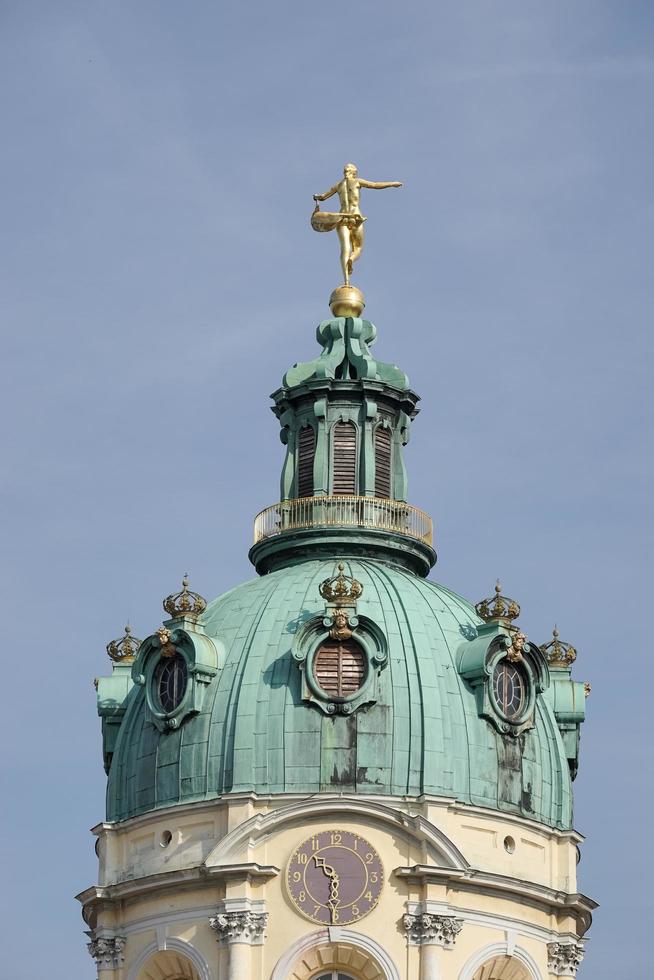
(327, 868)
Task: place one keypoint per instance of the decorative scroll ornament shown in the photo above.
(123, 650)
(498, 608)
(514, 652)
(557, 653)
(239, 926)
(564, 959)
(341, 589)
(185, 603)
(422, 928)
(108, 952)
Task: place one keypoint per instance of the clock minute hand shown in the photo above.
(334, 882)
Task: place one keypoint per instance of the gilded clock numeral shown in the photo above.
(336, 838)
(355, 910)
(369, 858)
(368, 895)
(302, 859)
(316, 910)
(297, 876)
(373, 877)
(314, 843)
(302, 897)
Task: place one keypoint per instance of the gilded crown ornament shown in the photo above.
(185, 603)
(341, 589)
(123, 650)
(498, 608)
(557, 653)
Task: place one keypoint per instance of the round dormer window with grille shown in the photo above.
(509, 690)
(171, 678)
(339, 668)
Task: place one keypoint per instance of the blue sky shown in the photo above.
(159, 274)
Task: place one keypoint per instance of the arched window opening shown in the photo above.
(306, 454)
(334, 976)
(168, 965)
(344, 458)
(502, 968)
(383, 445)
(340, 668)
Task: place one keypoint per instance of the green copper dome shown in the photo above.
(364, 678)
(421, 730)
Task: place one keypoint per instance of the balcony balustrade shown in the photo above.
(376, 513)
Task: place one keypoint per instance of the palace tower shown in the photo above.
(339, 769)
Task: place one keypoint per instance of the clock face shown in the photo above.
(335, 877)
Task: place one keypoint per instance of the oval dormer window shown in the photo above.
(339, 668)
(509, 690)
(171, 680)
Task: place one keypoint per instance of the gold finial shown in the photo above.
(185, 603)
(557, 653)
(498, 608)
(124, 649)
(348, 223)
(341, 589)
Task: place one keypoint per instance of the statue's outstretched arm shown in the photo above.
(324, 197)
(379, 185)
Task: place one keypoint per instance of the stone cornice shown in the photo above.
(550, 899)
(406, 804)
(103, 896)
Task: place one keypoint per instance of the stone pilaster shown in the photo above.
(240, 922)
(108, 951)
(427, 928)
(564, 959)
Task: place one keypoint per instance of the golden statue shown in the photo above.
(348, 222)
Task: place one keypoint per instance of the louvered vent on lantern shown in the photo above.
(340, 667)
(382, 462)
(306, 453)
(344, 458)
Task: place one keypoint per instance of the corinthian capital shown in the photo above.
(563, 959)
(239, 926)
(422, 928)
(107, 951)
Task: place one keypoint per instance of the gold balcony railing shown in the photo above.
(344, 511)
